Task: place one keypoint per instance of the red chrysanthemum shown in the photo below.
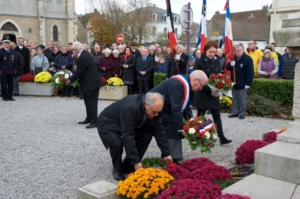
(219, 85)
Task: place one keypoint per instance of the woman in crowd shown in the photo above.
(267, 67)
(116, 63)
(164, 51)
(158, 54)
(105, 65)
(39, 62)
(54, 53)
(127, 67)
(205, 99)
(64, 60)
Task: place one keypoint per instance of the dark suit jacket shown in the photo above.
(203, 99)
(146, 66)
(171, 66)
(125, 118)
(172, 116)
(87, 73)
(26, 57)
(20, 64)
(184, 58)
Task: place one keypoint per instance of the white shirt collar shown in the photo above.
(80, 53)
(21, 47)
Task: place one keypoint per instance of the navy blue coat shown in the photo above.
(244, 71)
(61, 60)
(8, 65)
(172, 116)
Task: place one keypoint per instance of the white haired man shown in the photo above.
(181, 60)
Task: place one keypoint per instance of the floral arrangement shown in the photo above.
(156, 163)
(225, 101)
(115, 81)
(28, 77)
(43, 77)
(245, 153)
(60, 77)
(232, 196)
(189, 188)
(200, 133)
(221, 82)
(104, 80)
(144, 183)
(202, 169)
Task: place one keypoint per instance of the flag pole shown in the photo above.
(188, 36)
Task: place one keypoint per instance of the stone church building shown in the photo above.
(41, 21)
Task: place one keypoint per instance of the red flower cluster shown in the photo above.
(179, 172)
(104, 81)
(188, 188)
(245, 153)
(28, 77)
(232, 196)
(220, 81)
(271, 137)
(212, 173)
(196, 163)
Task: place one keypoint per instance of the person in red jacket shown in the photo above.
(105, 65)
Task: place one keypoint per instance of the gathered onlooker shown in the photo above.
(286, 69)
(171, 64)
(70, 50)
(32, 50)
(164, 50)
(273, 53)
(267, 66)
(64, 60)
(48, 51)
(20, 68)
(39, 62)
(162, 66)
(121, 49)
(25, 52)
(105, 65)
(158, 54)
(52, 68)
(195, 57)
(127, 64)
(54, 53)
(97, 53)
(221, 57)
(273, 50)
(255, 54)
(116, 62)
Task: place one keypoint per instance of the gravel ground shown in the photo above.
(45, 154)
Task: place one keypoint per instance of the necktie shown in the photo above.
(144, 58)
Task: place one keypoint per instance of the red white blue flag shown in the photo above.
(171, 35)
(227, 35)
(202, 36)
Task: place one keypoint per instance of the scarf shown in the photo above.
(126, 55)
(185, 101)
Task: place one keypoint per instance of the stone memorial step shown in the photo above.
(292, 134)
(279, 160)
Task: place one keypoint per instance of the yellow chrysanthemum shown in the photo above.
(115, 81)
(43, 77)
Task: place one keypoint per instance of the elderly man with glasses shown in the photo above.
(177, 92)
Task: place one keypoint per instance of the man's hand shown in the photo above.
(67, 82)
(138, 166)
(232, 63)
(63, 67)
(168, 158)
(183, 133)
(247, 87)
(266, 74)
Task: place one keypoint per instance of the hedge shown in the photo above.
(279, 90)
(159, 77)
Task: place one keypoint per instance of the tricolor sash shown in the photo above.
(186, 91)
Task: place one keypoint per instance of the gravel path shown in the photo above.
(45, 154)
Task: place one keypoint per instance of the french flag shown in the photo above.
(227, 35)
(172, 36)
(202, 36)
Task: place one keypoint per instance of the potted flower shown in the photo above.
(113, 90)
(40, 87)
(144, 183)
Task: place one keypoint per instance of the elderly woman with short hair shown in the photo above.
(116, 63)
(105, 65)
(39, 62)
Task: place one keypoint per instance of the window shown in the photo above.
(154, 17)
(9, 27)
(153, 31)
(165, 30)
(55, 33)
(176, 19)
(165, 18)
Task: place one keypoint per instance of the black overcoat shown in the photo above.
(125, 118)
(127, 74)
(146, 66)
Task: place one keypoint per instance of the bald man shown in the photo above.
(177, 92)
(130, 123)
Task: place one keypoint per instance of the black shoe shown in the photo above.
(5, 99)
(241, 117)
(225, 141)
(84, 122)
(118, 176)
(91, 126)
(11, 99)
(62, 95)
(232, 116)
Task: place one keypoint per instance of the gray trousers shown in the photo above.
(239, 102)
(176, 149)
(16, 84)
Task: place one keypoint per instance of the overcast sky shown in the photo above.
(212, 6)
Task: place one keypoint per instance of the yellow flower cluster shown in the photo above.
(43, 77)
(225, 101)
(115, 81)
(144, 183)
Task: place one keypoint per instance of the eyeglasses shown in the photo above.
(200, 83)
(154, 112)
